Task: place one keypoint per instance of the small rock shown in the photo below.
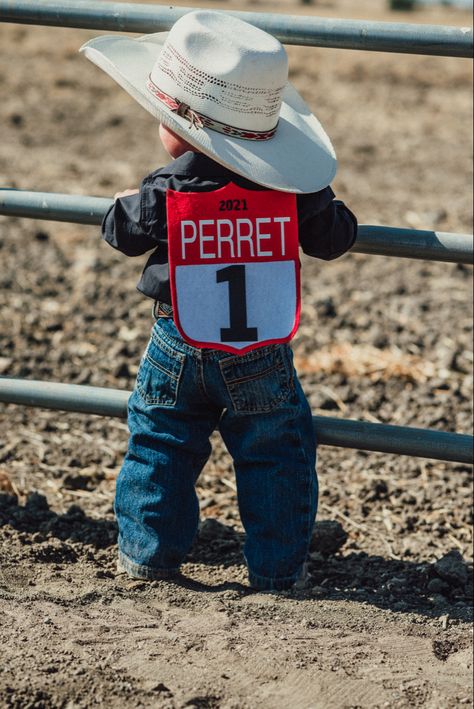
(76, 513)
(444, 621)
(5, 363)
(7, 500)
(400, 606)
(452, 569)
(160, 687)
(396, 583)
(442, 649)
(81, 481)
(122, 370)
(16, 119)
(326, 308)
(37, 502)
(207, 502)
(328, 537)
(437, 585)
(211, 529)
(302, 584)
(104, 574)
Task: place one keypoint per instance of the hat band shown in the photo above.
(199, 120)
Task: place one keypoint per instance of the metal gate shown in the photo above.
(387, 241)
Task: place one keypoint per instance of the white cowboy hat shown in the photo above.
(222, 85)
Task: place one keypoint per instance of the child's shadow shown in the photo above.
(432, 589)
(216, 544)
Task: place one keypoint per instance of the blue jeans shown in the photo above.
(256, 401)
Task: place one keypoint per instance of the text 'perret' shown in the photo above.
(243, 238)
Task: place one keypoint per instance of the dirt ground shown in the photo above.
(386, 619)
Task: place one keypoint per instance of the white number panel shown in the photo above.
(256, 301)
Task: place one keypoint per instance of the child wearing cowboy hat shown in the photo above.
(248, 184)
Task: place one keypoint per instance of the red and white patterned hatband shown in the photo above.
(199, 120)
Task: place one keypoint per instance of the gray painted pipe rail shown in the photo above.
(53, 205)
(311, 31)
(414, 243)
(380, 240)
(330, 431)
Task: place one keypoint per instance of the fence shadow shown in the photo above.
(74, 525)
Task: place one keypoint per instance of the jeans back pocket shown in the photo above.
(159, 373)
(259, 381)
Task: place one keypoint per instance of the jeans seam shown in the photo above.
(288, 362)
(253, 377)
(270, 583)
(163, 343)
(181, 348)
(263, 409)
(162, 368)
(308, 524)
(202, 383)
(174, 378)
(169, 402)
(142, 570)
(286, 390)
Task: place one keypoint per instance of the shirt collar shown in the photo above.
(191, 164)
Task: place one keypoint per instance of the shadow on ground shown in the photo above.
(441, 588)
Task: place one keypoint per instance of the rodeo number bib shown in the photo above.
(234, 268)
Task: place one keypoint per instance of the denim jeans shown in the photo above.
(256, 401)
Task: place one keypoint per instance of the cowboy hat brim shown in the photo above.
(298, 158)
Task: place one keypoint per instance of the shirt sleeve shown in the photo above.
(327, 232)
(123, 228)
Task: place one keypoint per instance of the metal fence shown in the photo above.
(378, 240)
(382, 240)
(310, 30)
(331, 431)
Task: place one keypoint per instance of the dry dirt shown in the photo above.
(386, 619)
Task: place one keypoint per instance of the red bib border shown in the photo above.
(234, 267)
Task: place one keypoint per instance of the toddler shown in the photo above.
(248, 183)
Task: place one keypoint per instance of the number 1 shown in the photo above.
(238, 330)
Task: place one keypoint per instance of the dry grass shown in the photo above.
(367, 361)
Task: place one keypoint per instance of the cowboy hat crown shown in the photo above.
(222, 85)
(224, 69)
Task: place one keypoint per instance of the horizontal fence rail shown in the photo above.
(308, 30)
(379, 240)
(330, 431)
(414, 243)
(54, 206)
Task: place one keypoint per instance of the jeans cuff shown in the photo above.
(140, 571)
(281, 583)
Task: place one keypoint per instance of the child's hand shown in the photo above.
(125, 193)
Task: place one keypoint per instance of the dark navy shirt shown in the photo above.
(138, 223)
